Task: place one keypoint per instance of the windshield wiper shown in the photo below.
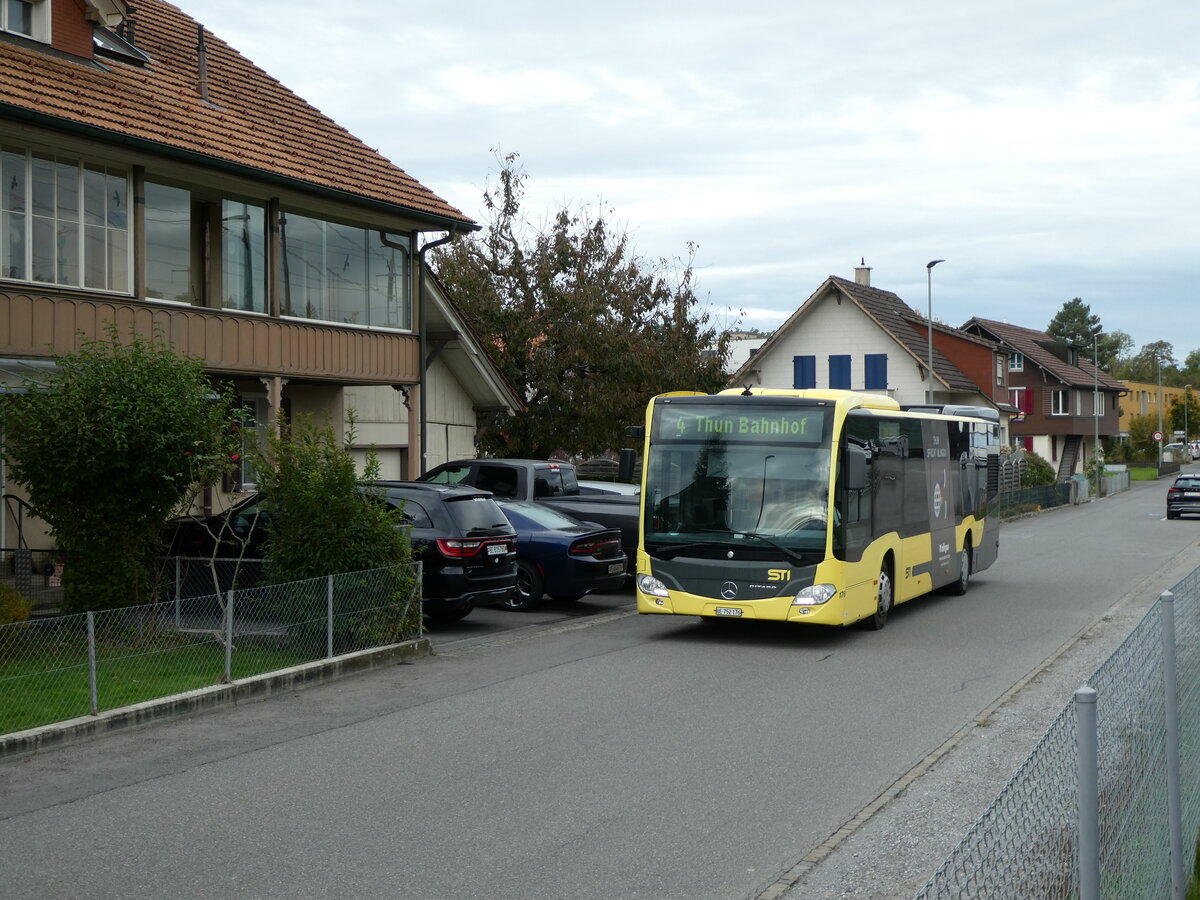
(670, 551)
(791, 554)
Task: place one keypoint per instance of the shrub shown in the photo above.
(14, 606)
(1037, 471)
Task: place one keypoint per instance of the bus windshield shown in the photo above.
(755, 475)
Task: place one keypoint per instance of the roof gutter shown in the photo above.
(423, 333)
(436, 221)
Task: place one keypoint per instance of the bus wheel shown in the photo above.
(959, 587)
(884, 600)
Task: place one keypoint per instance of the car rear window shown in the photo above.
(1188, 484)
(470, 513)
(539, 515)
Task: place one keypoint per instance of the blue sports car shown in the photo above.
(561, 556)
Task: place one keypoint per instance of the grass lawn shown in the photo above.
(37, 689)
(1143, 473)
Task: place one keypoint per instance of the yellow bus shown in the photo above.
(816, 506)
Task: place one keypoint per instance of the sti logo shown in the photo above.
(779, 574)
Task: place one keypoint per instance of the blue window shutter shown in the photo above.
(839, 372)
(876, 379)
(804, 372)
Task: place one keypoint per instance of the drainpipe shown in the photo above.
(422, 388)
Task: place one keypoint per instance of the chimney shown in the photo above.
(862, 273)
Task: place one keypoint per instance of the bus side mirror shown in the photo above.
(856, 468)
(626, 465)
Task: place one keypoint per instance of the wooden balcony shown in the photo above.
(38, 325)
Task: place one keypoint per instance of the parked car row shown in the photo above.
(474, 549)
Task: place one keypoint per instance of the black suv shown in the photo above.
(1184, 495)
(465, 544)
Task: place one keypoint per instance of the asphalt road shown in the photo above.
(580, 751)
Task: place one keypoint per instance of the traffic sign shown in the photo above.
(1158, 437)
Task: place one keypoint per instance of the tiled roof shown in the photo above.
(1034, 346)
(891, 314)
(907, 326)
(250, 120)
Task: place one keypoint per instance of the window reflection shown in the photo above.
(343, 273)
(243, 256)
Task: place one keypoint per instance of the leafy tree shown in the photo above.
(1077, 325)
(109, 447)
(1176, 417)
(1141, 438)
(1074, 323)
(1191, 368)
(1154, 359)
(584, 328)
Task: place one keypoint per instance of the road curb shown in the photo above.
(215, 697)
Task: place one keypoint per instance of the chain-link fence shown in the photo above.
(187, 576)
(1030, 841)
(57, 668)
(1033, 499)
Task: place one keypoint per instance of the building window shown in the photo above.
(243, 256)
(63, 221)
(1060, 403)
(169, 244)
(1000, 367)
(343, 273)
(804, 372)
(30, 18)
(1020, 398)
(839, 372)
(876, 372)
(1016, 362)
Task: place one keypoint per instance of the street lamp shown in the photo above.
(1095, 393)
(929, 284)
(1162, 437)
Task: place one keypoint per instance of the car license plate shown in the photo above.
(615, 568)
(727, 611)
(497, 549)
(1191, 493)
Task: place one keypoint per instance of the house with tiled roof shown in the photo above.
(155, 178)
(851, 335)
(1066, 403)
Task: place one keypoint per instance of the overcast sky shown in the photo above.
(1045, 150)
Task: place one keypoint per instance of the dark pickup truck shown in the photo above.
(552, 483)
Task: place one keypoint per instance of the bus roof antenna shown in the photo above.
(746, 392)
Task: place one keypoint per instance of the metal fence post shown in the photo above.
(1087, 744)
(91, 639)
(1171, 701)
(178, 589)
(419, 592)
(329, 617)
(229, 638)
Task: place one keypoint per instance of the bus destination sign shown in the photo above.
(701, 423)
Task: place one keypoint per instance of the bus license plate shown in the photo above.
(727, 611)
(615, 568)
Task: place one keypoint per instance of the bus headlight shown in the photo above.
(814, 595)
(648, 584)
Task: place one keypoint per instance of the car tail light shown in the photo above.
(460, 549)
(594, 547)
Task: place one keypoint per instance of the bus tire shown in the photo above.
(959, 586)
(885, 597)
